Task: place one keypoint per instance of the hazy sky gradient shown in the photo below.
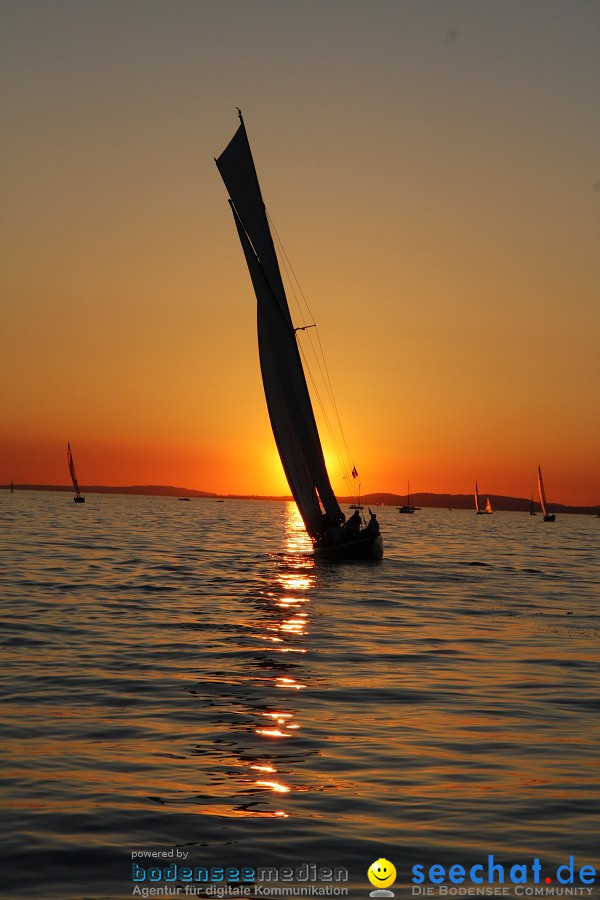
(433, 171)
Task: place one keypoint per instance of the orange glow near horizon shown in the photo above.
(42, 461)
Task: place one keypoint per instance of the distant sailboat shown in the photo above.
(477, 505)
(532, 511)
(548, 517)
(488, 506)
(286, 392)
(77, 498)
(12, 487)
(409, 508)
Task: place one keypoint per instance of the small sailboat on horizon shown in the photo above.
(284, 380)
(12, 486)
(532, 511)
(77, 498)
(408, 508)
(485, 511)
(548, 516)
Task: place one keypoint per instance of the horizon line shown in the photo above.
(172, 490)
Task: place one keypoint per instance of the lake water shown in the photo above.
(183, 676)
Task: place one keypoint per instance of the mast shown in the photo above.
(286, 391)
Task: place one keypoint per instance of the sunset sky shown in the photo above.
(432, 168)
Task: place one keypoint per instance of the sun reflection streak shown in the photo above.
(296, 538)
(272, 732)
(275, 786)
(283, 627)
(281, 682)
(293, 581)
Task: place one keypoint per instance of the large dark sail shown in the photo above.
(288, 400)
(78, 496)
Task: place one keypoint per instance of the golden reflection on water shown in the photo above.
(289, 684)
(275, 786)
(272, 732)
(296, 538)
(286, 629)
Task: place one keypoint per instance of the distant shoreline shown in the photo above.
(426, 500)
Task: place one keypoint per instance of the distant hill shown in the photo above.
(465, 501)
(433, 501)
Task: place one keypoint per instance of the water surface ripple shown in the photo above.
(187, 675)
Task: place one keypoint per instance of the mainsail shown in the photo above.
(477, 498)
(288, 401)
(72, 470)
(542, 492)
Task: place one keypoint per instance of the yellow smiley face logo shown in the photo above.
(381, 873)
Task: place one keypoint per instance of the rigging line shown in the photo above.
(298, 349)
(325, 376)
(300, 296)
(326, 420)
(334, 440)
(319, 356)
(345, 469)
(348, 463)
(288, 268)
(348, 454)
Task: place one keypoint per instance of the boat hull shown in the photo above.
(361, 547)
(78, 499)
(550, 517)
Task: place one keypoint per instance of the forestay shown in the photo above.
(286, 391)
